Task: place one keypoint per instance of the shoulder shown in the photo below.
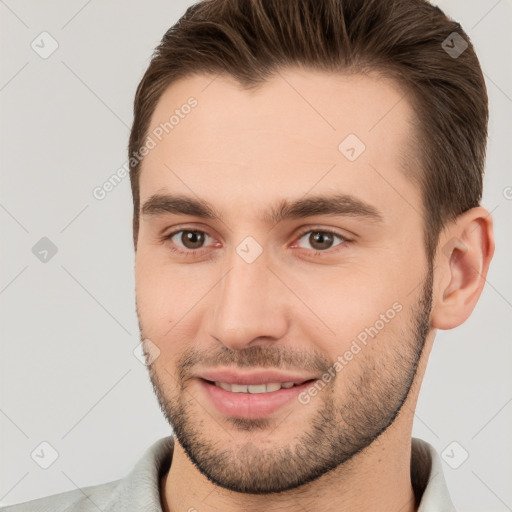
(139, 490)
(87, 499)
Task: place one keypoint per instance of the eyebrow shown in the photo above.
(334, 204)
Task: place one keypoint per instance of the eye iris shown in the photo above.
(318, 239)
(192, 239)
(322, 238)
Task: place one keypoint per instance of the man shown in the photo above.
(306, 178)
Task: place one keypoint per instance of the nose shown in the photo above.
(251, 306)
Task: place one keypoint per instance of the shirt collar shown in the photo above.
(428, 478)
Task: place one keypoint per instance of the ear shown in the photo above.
(464, 252)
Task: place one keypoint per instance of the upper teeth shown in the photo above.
(254, 388)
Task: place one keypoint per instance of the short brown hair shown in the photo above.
(407, 40)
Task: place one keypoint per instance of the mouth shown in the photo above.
(257, 388)
(252, 401)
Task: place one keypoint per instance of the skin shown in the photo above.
(244, 152)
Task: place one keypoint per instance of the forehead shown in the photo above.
(299, 131)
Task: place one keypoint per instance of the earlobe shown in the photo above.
(464, 253)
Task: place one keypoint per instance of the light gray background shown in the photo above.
(69, 375)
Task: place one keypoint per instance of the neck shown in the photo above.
(376, 479)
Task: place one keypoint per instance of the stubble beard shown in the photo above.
(339, 427)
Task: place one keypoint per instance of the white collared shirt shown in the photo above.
(139, 491)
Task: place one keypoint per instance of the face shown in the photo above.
(280, 241)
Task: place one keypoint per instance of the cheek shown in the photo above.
(155, 280)
(373, 350)
(154, 296)
(166, 303)
(345, 303)
(370, 319)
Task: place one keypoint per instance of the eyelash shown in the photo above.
(196, 252)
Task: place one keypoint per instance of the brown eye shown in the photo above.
(192, 239)
(320, 240)
(189, 239)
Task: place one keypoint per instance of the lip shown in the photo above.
(250, 405)
(230, 376)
